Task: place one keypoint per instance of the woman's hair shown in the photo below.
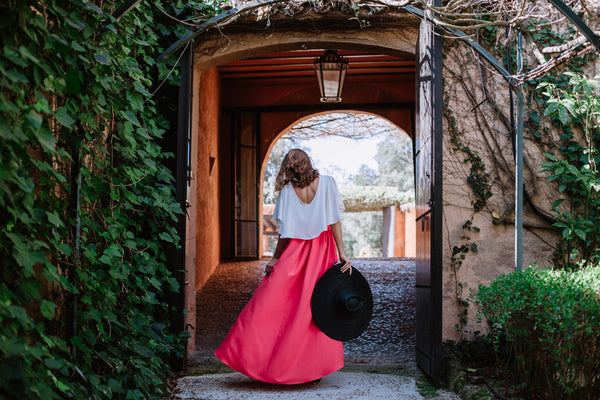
(296, 169)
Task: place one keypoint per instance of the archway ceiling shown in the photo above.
(284, 84)
(297, 66)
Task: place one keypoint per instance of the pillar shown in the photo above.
(388, 232)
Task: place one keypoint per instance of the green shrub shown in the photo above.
(545, 325)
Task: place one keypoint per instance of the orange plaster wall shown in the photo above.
(405, 237)
(207, 109)
(410, 227)
(400, 235)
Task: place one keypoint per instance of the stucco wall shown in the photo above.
(206, 175)
(481, 113)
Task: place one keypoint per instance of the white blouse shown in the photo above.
(299, 220)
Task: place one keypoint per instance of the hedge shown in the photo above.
(545, 325)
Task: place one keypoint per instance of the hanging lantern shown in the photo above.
(331, 69)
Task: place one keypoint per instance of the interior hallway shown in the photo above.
(390, 338)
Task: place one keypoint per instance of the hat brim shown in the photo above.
(328, 310)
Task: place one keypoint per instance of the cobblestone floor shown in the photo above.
(390, 338)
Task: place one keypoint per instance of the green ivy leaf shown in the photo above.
(93, 7)
(65, 249)
(132, 118)
(557, 203)
(64, 118)
(572, 170)
(54, 218)
(114, 250)
(166, 237)
(139, 87)
(27, 54)
(16, 76)
(13, 347)
(77, 47)
(34, 119)
(24, 255)
(48, 309)
(102, 57)
(563, 115)
(46, 139)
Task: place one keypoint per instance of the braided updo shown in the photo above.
(296, 169)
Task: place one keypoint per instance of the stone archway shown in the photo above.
(311, 41)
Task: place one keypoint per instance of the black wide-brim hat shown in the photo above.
(342, 303)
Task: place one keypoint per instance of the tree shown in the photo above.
(395, 166)
(394, 158)
(366, 176)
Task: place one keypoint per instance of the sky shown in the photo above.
(347, 154)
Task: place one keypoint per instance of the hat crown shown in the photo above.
(350, 300)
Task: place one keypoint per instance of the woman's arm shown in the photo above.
(281, 243)
(336, 229)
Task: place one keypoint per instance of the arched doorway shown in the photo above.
(372, 161)
(258, 106)
(248, 109)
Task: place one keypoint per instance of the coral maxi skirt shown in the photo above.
(275, 339)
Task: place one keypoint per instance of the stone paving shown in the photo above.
(337, 386)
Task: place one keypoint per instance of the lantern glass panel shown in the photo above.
(331, 83)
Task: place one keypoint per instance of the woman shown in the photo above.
(274, 339)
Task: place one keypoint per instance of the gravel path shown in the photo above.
(380, 364)
(390, 337)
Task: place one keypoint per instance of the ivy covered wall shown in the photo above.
(87, 203)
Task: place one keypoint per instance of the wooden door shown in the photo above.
(246, 169)
(428, 176)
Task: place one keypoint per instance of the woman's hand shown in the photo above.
(269, 266)
(347, 266)
(336, 229)
(281, 243)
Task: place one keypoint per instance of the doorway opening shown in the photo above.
(371, 160)
(255, 111)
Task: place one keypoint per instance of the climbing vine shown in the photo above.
(456, 259)
(87, 201)
(478, 179)
(479, 182)
(577, 108)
